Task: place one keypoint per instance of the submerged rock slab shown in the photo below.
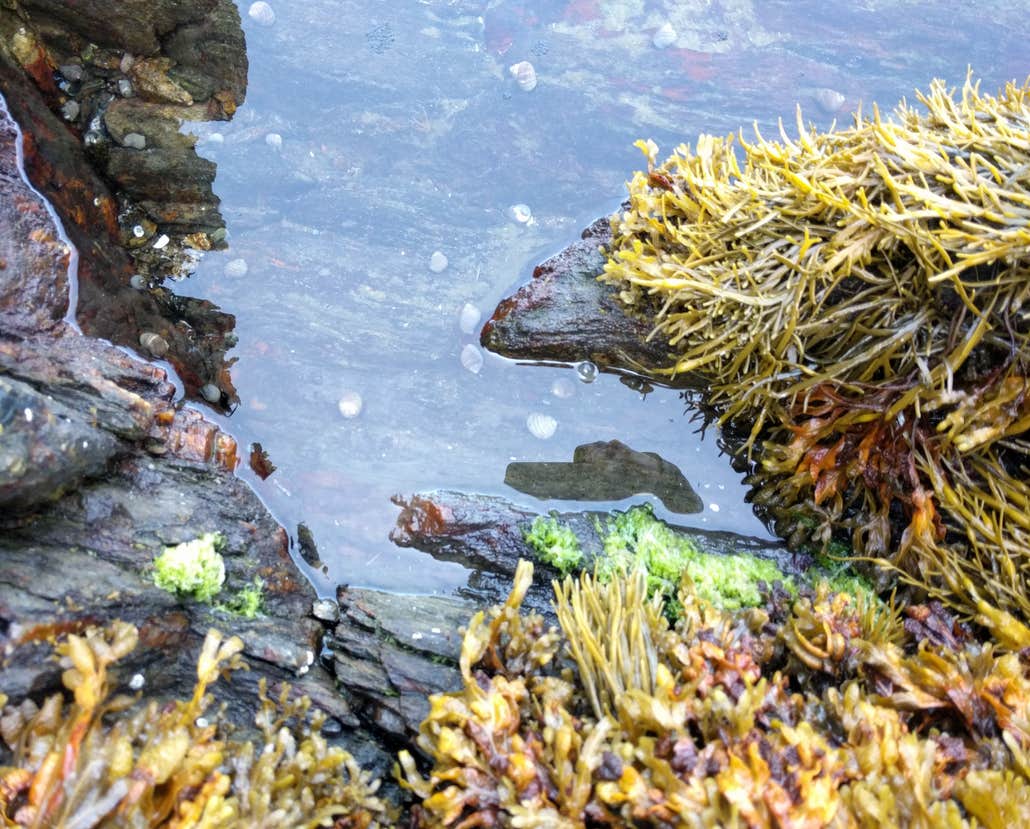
(565, 315)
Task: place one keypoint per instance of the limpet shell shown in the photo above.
(236, 268)
(261, 12)
(563, 388)
(665, 36)
(350, 404)
(524, 75)
(437, 262)
(211, 393)
(830, 100)
(520, 213)
(541, 425)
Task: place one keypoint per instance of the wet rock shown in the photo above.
(47, 448)
(565, 314)
(97, 548)
(606, 471)
(33, 259)
(138, 26)
(389, 652)
(108, 306)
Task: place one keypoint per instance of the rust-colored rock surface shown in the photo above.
(33, 258)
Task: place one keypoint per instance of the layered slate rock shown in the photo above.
(101, 468)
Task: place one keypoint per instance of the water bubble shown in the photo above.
(262, 13)
(541, 425)
(350, 404)
(469, 318)
(520, 213)
(437, 262)
(471, 358)
(274, 140)
(138, 281)
(136, 682)
(563, 388)
(236, 268)
(586, 371)
(138, 231)
(524, 75)
(665, 36)
(713, 507)
(211, 393)
(829, 99)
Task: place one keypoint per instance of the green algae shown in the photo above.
(636, 538)
(193, 569)
(554, 543)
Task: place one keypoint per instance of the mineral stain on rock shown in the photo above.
(606, 471)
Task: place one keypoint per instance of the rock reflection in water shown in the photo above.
(606, 471)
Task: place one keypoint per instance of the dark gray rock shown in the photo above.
(46, 448)
(565, 315)
(138, 26)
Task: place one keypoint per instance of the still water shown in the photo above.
(376, 134)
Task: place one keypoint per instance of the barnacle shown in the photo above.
(856, 301)
(99, 760)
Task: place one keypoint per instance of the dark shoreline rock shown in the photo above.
(101, 468)
(564, 315)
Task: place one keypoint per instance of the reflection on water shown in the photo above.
(605, 471)
(377, 135)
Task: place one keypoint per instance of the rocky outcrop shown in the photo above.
(101, 465)
(565, 315)
(108, 189)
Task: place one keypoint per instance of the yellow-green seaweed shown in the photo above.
(857, 302)
(817, 713)
(105, 760)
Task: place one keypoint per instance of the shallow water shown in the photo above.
(403, 133)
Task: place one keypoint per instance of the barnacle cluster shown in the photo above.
(818, 711)
(856, 301)
(110, 760)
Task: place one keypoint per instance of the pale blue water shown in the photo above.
(403, 133)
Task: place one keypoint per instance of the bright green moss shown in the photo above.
(192, 569)
(637, 538)
(554, 543)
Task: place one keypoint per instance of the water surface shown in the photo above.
(403, 133)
